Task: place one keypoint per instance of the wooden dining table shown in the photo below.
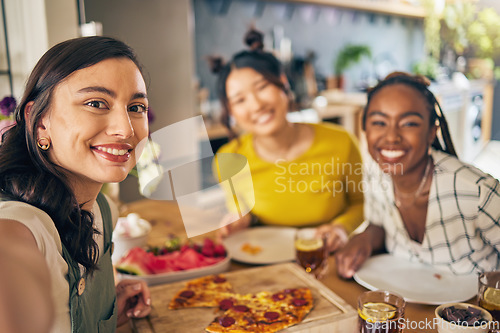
(166, 219)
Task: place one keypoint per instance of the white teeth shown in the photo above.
(113, 151)
(263, 118)
(392, 153)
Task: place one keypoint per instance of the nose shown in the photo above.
(393, 134)
(253, 101)
(119, 124)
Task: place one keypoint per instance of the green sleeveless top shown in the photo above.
(92, 300)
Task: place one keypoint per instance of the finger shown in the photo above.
(358, 261)
(140, 303)
(145, 294)
(130, 289)
(140, 310)
(335, 243)
(353, 264)
(340, 260)
(322, 231)
(127, 290)
(344, 263)
(338, 242)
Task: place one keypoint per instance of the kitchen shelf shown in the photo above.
(389, 7)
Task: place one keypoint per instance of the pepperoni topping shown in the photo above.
(226, 321)
(241, 308)
(225, 304)
(180, 300)
(219, 279)
(278, 297)
(271, 315)
(299, 302)
(187, 294)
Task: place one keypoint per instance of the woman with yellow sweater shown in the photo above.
(303, 174)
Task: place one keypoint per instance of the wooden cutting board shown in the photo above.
(330, 313)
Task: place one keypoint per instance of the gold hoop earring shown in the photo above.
(43, 146)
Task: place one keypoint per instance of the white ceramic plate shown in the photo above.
(417, 283)
(154, 279)
(276, 245)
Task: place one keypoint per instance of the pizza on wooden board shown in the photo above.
(207, 291)
(263, 312)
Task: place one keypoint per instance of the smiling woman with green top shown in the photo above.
(303, 174)
(422, 202)
(78, 125)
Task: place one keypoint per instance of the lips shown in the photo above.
(114, 152)
(263, 118)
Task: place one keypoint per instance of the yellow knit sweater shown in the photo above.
(323, 185)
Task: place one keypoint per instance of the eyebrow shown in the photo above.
(97, 89)
(109, 92)
(406, 114)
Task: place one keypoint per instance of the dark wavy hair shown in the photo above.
(26, 172)
(421, 84)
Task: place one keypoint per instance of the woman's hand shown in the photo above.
(228, 227)
(132, 300)
(358, 249)
(352, 256)
(336, 236)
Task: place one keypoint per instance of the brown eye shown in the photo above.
(96, 104)
(139, 108)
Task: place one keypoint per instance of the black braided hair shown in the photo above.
(421, 84)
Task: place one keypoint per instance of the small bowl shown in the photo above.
(124, 243)
(444, 326)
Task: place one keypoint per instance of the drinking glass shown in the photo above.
(380, 311)
(311, 251)
(488, 295)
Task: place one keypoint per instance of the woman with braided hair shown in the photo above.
(422, 203)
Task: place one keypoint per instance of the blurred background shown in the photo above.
(332, 51)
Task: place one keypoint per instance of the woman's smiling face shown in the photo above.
(257, 105)
(96, 118)
(398, 130)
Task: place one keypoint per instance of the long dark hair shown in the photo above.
(26, 173)
(421, 84)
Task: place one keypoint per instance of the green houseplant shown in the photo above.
(472, 33)
(349, 55)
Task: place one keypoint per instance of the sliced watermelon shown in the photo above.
(138, 261)
(135, 262)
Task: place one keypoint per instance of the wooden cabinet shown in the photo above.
(390, 7)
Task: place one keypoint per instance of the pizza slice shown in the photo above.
(262, 312)
(298, 301)
(277, 311)
(237, 319)
(207, 291)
